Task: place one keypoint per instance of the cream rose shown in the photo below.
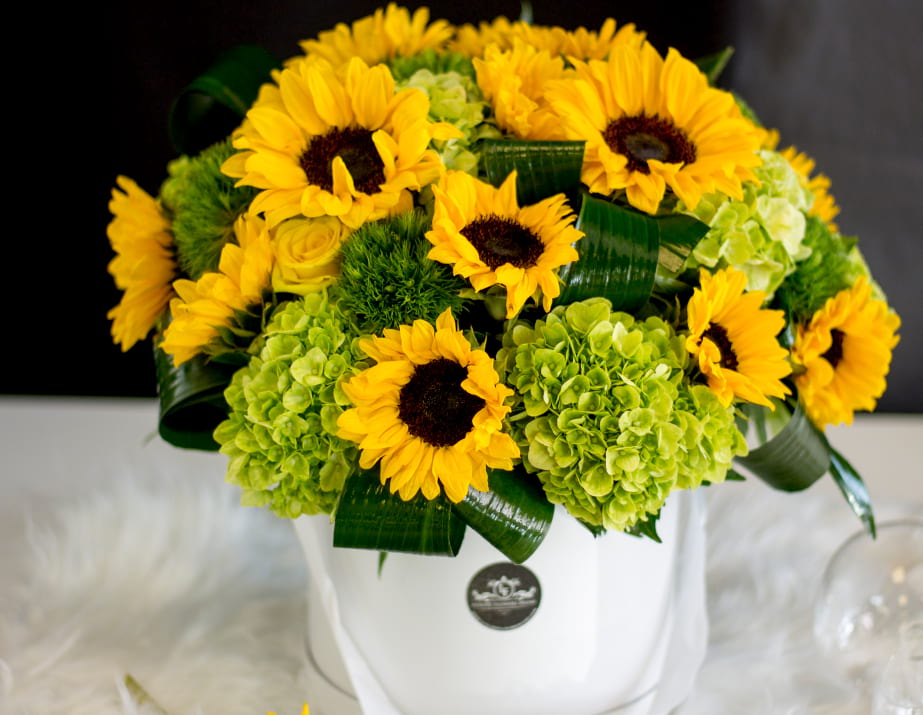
(307, 254)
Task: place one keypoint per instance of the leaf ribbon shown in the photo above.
(368, 516)
(514, 515)
(211, 106)
(543, 168)
(798, 455)
(620, 252)
(192, 400)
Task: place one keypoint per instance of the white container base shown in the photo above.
(620, 624)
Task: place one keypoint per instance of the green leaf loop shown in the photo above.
(368, 516)
(544, 168)
(794, 458)
(213, 104)
(514, 516)
(679, 235)
(853, 489)
(618, 256)
(191, 400)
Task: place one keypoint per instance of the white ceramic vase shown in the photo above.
(585, 626)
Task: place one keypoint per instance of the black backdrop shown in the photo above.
(92, 104)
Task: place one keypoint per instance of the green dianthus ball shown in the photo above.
(280, 434)
(204, 204)
(405, 285)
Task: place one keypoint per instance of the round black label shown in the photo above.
(504, 595)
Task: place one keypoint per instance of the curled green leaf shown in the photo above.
(796, 457)
(368, 516)
(191, 400)
(514, 515)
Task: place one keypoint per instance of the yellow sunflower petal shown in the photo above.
(419, 420)
(488, 238)
(143, 266)
(845, 355)
(734, 340)
(661, 127)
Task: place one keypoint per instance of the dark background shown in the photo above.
(841, 79)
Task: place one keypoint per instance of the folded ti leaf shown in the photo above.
(799, 455)
(191, 400)
(514, 515)
(544, 168)
(853, 489)
(214, 103)
(796, 457)
(368, 516)
(618, 256)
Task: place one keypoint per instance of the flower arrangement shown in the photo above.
(436, 277)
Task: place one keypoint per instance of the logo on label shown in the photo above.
(504, 595)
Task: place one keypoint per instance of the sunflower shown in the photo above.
(651, 124)
(581, 43)
(824, 206)
(336, 143)
(845, 354)
(431, 411)
(472, 41)
(388, 33)
(218, 299)
(490, 240)
(144, 264)
(513, 82)
(586, 44)
(734, 340)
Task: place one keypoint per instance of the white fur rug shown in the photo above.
(167, 580)
(201, 601)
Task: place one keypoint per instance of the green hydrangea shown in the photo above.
(280, 435)
(762, 235)
(449, 81)
(204, 204)
(608, 419)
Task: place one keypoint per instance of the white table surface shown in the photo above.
(55, 450)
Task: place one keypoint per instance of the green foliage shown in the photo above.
(204, 205)
(280, 434)
(405, 285)
(608, 418)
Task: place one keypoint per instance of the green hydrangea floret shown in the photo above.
(386, 279)
(280, 435)
(762, 235)
(204, 204)
(449, 80)
(608, 419)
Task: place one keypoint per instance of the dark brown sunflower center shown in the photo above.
(835, 353)
(357, 150)
(434, 406)
(719, 336)
(641, 138)
(501, 240)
